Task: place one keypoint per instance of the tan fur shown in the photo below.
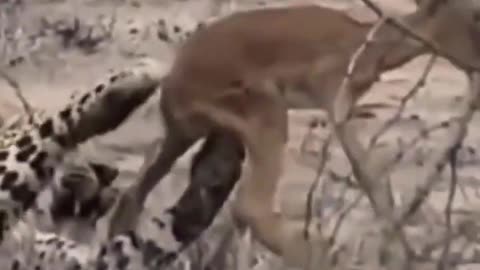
(241, 74)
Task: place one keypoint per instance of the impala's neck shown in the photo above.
(390, 48)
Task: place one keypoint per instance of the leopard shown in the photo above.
(29, 162)
(80, 181)
(139, 249)
(35, 248)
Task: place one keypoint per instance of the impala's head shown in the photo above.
(453, 25)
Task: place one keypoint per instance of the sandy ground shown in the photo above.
(50, 75)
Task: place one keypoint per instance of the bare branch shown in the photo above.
(28, 109)
(354, 150)
(443, 263)
(403, 102)
(314, 186)
(458, 131)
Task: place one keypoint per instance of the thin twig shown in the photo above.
(352, 147)
(403, 102)
(18, 93)
(424, 133)
(342, 215)
(455, 137)
(444, 261)
(314, 186)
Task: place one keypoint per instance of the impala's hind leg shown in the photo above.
(157, 164)
(215, 170)
(255, 202)
(262, 129)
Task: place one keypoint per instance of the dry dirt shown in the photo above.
(51, 73)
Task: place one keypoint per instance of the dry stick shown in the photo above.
(364, 179)
(416, 87)
(424, 133)
(311, 192)
(443, 263)
(341, 217)
(381, 200)
(456, 136)
(314, 186)
(18, 93)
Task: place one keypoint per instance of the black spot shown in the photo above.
(25, 154)
(123, 262)
(117, 246)
(38, 267)
(46, 129)
(133, 238)
(60, 244)
(169, 258)
(99, 88)
(151, 251)
(3, 169)
(159, 223)
(102, 252)
(40, 242)
(113, 78)
(66, 114)
(49, 171)
(15, 265)
(24, 141)
(177, 29)
(41, 256)
(133, 31)
(9, 180)
(162, 36)
(51, 240)
(37, 165)
(77, 266)
(105, 174)
(23, 194)
(84, 99)
(200, 25)
(16, 212)
(3, 155)
(61, 140)
(63, 255)
(90, 206)
(101, 265)
(3, 224)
